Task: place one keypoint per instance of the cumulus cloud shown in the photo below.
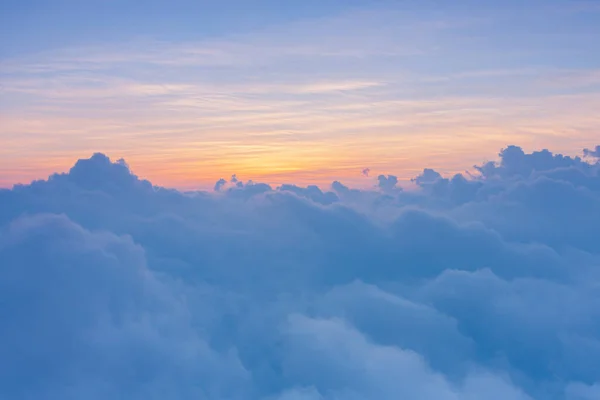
(342, 363)
(515, 162)
(592, 152)
(83, 317)
(311, 192)
(387, 183)
(428, 176)
(219, 184)
(464, 288)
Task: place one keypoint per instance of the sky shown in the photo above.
(307, 200)
(304, 92)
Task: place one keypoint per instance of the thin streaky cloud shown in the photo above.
(333, 83)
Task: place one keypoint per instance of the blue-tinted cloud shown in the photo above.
(387, 183)
(462, 289)
(311, 192)
(219, 184)
(83, 317)
(592, 152)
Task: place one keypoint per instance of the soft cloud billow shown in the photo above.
(478, 287)
(592, 152)
(83, 317)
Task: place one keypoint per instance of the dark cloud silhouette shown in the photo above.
(311, 192)
(366, 171)
(387, 183)
(515, 162)
(592, 153)
(219, 185)
(428, 176)
(342, 189)
(465, 288)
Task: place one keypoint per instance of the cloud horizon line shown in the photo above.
(587, 156)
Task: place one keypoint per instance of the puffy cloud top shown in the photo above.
(592, 152)
(515, 162)
(464, 288)
(387, 183)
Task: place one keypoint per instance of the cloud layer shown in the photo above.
(465, 288)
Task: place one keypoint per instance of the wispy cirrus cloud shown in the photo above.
(305, 96)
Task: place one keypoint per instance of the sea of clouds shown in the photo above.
(467, 288)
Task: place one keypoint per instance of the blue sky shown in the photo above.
(304, 91)
(35, 25)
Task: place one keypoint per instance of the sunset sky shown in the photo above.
(299, 199)
(305, 91)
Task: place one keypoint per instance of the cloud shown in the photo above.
(341, 363)
(462, 288)
(579, 391)
(536, 342)
(220, 183)
(311, 192)
(387, 183)
(79, 307)
(592, 153)
(514, 161)
(366, 171)
(428, 176)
